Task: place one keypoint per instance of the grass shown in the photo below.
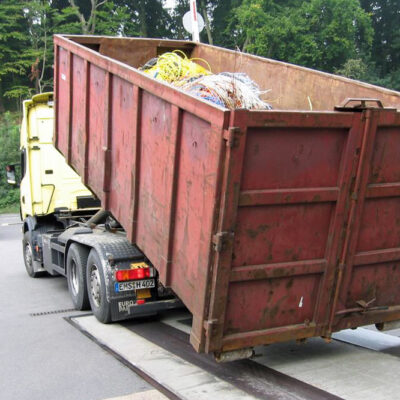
(10, 210)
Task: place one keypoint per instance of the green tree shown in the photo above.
(9, 154)
(354, 69)
(95, 17)
(385, 58)
(40, 16)
(177, 13)
(225, 25)
(16, 53)
(146, 18)
(320, 34)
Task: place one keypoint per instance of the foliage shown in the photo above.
(101, 18)
(177, 13)
(146, 18)
(16, 54)
(39, 17)
(354, 69)
(330, 35)
(9, 154)
(321, 34)
(385, 55)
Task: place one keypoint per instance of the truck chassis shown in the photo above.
(89, 253)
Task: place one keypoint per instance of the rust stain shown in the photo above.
(274, 310)
(289, 283)
(292, 254)
(253, 233)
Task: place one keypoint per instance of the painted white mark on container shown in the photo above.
(301, 302)
(63, 77)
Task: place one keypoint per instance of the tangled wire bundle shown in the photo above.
(230, 90)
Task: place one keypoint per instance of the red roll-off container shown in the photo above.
(269, 225)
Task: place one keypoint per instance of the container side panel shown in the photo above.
(123, 149)
(195, 182)
(63, 101)
(374, 275)
(137, 52)
(196, 194)
(154, 187)
(128, 51)
(78, 114)
(292, 158)
(98, 120)
(286, 301)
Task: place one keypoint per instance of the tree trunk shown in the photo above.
(206, 22)
(2, 109)
(81, 17)
(142, 18)
(245, 44)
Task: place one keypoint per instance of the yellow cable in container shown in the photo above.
(173, 66)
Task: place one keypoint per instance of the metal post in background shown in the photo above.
(195, 22)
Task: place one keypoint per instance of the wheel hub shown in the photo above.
(95, 285)
(29, 256)
(74, 278)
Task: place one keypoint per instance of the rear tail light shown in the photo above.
(134, 274)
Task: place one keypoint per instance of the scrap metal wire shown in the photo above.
(230, 90)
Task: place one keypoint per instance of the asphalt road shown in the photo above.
(41, 355)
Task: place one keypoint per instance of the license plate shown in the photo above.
(133, 285)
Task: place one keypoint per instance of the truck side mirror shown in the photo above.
(11, 178)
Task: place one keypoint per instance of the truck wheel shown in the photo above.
(97, 288)
(76, 276)
(28, 256)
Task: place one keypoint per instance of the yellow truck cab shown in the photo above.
(50, 190)
(66, 233)
(48, 183)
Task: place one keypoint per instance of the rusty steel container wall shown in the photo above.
(269, 225)
(151, 156)
(316, 246)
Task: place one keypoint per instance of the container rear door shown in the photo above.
(369, 270)
(299, 223)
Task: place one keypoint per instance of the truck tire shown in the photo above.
(76, 276)
(28, 256)
(96, 287)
